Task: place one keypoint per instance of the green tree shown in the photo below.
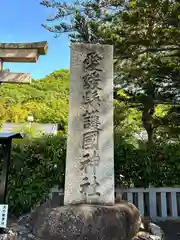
(46, 99)
(37, 165)
(145, 35)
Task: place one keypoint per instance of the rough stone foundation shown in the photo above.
(78, 222)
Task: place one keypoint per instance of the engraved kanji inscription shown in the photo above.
(92, 60)
(85, 162)
(91, 108)
(90, 140)
(91, 96)
(84, 186)
(91, 80)
(93, 188)
(95, 159)
(91, 121)
(91, 158)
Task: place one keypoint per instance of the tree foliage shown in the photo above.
(158, 167)
(46, 99)
(146, 39)
(145, 35)
(37, 165)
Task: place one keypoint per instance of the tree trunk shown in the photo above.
(147, 119)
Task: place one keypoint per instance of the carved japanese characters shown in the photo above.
(89, 163)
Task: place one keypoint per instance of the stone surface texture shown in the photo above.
(89, 174)
(149, 231)
(146, 236)
(9, 235)
(29, 227)
(83, 222)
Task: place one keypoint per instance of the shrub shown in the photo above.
(159, 167)
(36, 166)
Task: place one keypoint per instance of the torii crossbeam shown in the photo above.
(19, 52)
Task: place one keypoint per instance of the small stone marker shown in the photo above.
(89, 174)
(3, 215)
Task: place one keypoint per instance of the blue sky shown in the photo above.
(20, 21)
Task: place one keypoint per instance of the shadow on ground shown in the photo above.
(171, 229)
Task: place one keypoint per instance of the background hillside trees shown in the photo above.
(46, 99)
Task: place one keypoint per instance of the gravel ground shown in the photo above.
(171, 229)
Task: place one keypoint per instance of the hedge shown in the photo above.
(159, 167)
(38, 164)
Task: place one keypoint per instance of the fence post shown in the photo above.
(141, 202)
(152, 203)
(174, 204)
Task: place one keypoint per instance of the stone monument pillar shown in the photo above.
(89, 212)
(89, 174)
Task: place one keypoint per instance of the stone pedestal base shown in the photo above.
(84, 222)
